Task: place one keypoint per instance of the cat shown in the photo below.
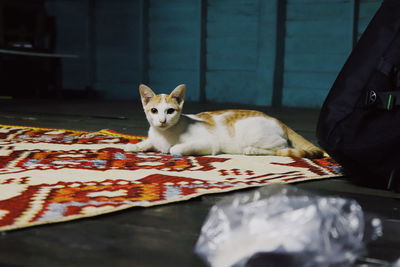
(245, 132)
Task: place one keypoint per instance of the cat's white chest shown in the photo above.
(162, 142)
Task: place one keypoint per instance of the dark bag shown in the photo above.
(359, 124)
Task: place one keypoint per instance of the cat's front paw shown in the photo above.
(176, 150)
(132, 148)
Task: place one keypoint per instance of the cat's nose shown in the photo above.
(162, 121)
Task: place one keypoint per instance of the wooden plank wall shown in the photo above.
(240, 51)
(72, 38)
(224, 50)
(117, 46)
(318, 41)
(106, 37)
(241, 48)
(232, 39)
(174, 46)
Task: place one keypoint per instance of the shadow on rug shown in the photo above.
(53, 175)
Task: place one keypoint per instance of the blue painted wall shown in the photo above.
(117, 48)
(318, 41)
(72, 38)
(106, 37)
(240, 51)
(240, 47)
(174, 46)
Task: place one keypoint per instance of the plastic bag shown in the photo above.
(281, 225)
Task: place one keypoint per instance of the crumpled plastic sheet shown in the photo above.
(281, 225)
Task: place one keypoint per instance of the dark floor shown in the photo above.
(162, 235)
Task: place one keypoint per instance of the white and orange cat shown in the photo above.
(227, 131)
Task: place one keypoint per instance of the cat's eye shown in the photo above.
(154, 110)
(170, 111)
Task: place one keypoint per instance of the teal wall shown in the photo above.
(231, 51)
(105, 35)
(240, 49)
(117, 48)
(173, 46)
(318, 40)
(72, 38)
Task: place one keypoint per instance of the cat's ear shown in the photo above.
(179, 94)
(145, 94)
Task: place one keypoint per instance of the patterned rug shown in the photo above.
(53, 175)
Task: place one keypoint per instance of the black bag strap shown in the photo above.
(391, 59)
(389, 66)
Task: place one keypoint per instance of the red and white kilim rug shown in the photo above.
(53, 175)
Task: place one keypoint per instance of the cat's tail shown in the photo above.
(301, 147)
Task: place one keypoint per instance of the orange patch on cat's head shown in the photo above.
(153, 102)
(150, 99)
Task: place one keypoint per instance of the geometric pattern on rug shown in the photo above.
(54, 175)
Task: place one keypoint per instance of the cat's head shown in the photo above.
(162, 111)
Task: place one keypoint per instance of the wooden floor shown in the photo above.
(162, 235)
